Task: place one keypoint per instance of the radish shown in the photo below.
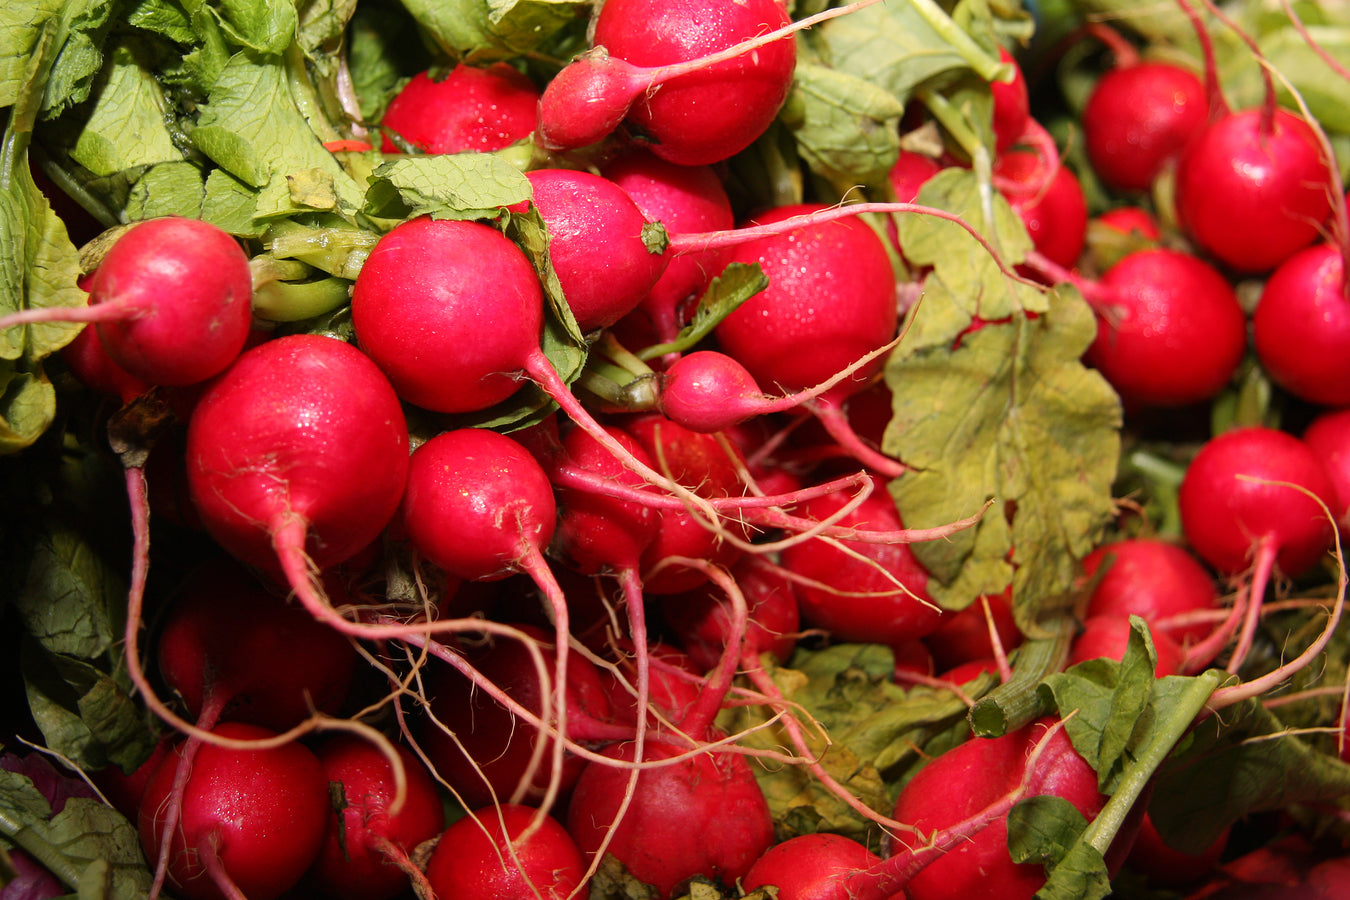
(252, 820)
(703, 619)
(1264, 164)
(701, 115)
(1139, 116)
(1107, 636)
(812, 867)
(1301, 327)
(471, 108)
(1159, 581)
(221, 623)
(1256, 498)
(367, 844)
(1328, 436)
(683, 199)
(1170, 329)
(169, 300)
(1053, 209)
(597, 243)
(862, 592)
(970, 634)
(965, 779)
(505, 852)
(1012, 105)
(298, 456)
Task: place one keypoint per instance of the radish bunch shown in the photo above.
(736, 452)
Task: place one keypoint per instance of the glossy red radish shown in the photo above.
(170, 301)
(298, 456)
(873, 592)
(367, 847)
(1053, 209)
(1301, 327)
(251, 819)
(701, 115)
(506, 852)
(684, 199)
(1328, 436)
(1256, 499)
(1154, 579)
(1107, 636)
(603, 249)
(1170, 329)
(1138, 118)
(471, 108)
(966, 635)
(1131, 221)
(702, 618)
(1012, 105)
(968, 777)
(814, 866)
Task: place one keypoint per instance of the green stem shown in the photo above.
(42, 850)
(306, 98)
(1163, 737)
(990, 68)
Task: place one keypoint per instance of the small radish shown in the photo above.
(1328, 436)
(1131, 221)
(812, 867)
(252, 820)
(470, 109)
(1054, 211)
(965, 635)
(1012, 105)
(597, 244)
(221, 624)
(1154, 579)
(1170, 329)
(1262, 165)
(683, 199)
(1139, 116)
(170, 301)
(702, 619)
(1108, 635)
(1301, 327)
(367, 844)
(862, 592)
(1252, 499)
(702, 115)
(506, 852)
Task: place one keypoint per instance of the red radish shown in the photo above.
(697, 117)
(366, 847)
(811, 867)
(124, 790)
(867, 592)
(1328, 436)
(1262, 165)
(1139, 116)
(1252, 166)
(298, 455)
(684, 199)
(1054, 212)
(419, 306)
(1301, 327)
(1231, 516)
(252, 820)
(221, 624)
(909, 173)
(498, 853)
(1252, 499)
(965, 635)
(470, 109)
(709, 468)
(675, 680)
(967, 778)
(703, 618)
(597, 244)
(1165, 866)
(90, 363)
(1170, 328)
(1012, 105)
(705, 816)
(1131, 221)
(488, 754)
(170, 301)
(1108, 635)
(1154, 579)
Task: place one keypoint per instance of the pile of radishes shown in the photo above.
(548, 521)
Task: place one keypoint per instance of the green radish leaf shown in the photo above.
(27, 407)
(163, 17)
(322, 22)
(446, 186)
(846, 128)
(258, 25)
(1010, 413)
(168, 189)
(480, 30)
(251, 127)
(1041, 829)
(737, 284)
